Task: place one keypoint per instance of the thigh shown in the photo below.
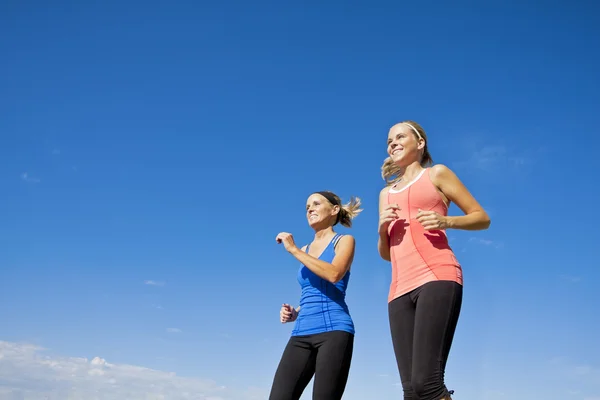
(334, 356)
(402, 323)
(296, 368)
(437, 312)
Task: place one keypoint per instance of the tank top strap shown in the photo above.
(332, 243)
(336, 239)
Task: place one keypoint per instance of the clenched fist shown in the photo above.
(287, 314)
(287, 239)
(387, 216)
(431, 220)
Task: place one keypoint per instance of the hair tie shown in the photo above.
(414, 129)
(329, 197)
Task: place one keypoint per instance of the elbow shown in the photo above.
(336, 277)
(386, 257)
(384, 253)
(486, 222)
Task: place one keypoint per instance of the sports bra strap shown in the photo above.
(334, 242)
(336, 239)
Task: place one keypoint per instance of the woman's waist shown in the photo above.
(430, 244)
(415, 265)
(314, 314)
(309, 306)
(433, 252)
(331, 294)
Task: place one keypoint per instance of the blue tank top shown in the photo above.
(322, 304)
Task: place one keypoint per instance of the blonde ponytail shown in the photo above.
(390, 171)
(349, 211)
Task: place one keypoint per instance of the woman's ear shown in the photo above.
(335, 210)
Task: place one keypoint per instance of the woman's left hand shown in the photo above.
(287, 239)
(431, 220)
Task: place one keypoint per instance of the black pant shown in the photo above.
(326, 355)
(422, 324)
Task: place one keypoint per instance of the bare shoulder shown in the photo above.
(383, 195)
(439, 170)
(345, 246)
(384, 191)
(440, 173)
(347, 240)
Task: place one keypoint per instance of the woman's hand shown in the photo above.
(388, 215)
(431, 220)
(288, 241)
(287, 314)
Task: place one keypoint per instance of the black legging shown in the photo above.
(422, 324)
(326, 355)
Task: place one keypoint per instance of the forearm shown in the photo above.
(321, 268)
(474, 221)
(383, 246)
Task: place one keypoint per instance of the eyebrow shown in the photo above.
(397, 134)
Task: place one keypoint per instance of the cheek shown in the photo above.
(407, 144)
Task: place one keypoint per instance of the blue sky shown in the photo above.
(150, 154)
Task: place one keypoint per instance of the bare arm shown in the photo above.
(338, 267)
(383, 244)
(449, 184)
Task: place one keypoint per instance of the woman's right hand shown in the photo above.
(287, 314)
(388, 215)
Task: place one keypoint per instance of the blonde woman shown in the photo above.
(425, 294)
(322, 340)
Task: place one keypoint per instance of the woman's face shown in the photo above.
(319, 211)
(403, 146)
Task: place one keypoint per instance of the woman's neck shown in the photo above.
(323, 233)
(410, 172)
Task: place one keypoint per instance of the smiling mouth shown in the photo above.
(313, 216)
(396, 151)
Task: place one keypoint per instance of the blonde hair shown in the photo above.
(390, 171)
(347, 212)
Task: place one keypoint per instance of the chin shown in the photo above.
(398, 160)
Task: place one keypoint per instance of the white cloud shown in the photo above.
(491, 157)
(488, 156)
(486, 242)
(480, 241)
(173, 330)
(26, 373)
(154, 283)
(25, 176)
